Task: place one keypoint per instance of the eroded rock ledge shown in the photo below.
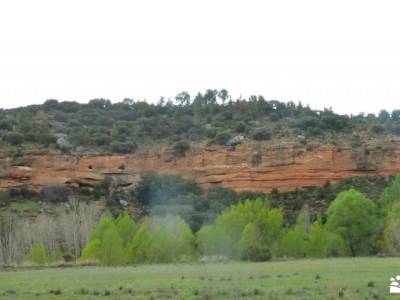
(256, 167)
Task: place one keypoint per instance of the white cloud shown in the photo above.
(340, 54)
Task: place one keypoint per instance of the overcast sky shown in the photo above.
(339, 54)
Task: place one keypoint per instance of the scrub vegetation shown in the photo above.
(212, 117)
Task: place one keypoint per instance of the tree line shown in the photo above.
(212, 116)
(252, 230)
(67, 226)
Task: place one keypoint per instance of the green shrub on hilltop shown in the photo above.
(181, 148)
(123, 147)
(13, 138)
(209, 116)
(261, 134)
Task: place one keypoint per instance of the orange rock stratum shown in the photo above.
(258, 168)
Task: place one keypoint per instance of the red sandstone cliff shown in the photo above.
(256, 168)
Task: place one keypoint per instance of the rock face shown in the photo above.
(260, 167)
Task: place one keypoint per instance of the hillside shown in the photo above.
(190, 164)
(243, 144)
(212, 118)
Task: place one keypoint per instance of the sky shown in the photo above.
(339, 54)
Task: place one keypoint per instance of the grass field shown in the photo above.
(360, 278)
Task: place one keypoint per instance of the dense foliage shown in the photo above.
(38, 255)
(253, 230)
(354, 217)
(250, 229)
(165, 195)
(120, 241)
(161, 195)
(212, 116)
(342, 219)
(319, 198)
(246, 230)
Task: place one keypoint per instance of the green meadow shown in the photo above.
(338, 278)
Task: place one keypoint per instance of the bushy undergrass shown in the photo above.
(344, 278)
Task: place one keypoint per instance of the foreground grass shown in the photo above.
(360, 278)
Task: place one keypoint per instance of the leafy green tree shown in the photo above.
(219, 198)
(213, 240)
(50, 104)
(181, 148)
(392, 230)
(183, 98)
(159, 240)
(112, 250)
(137, 249)
(99, 103)
(162, 244)
(259, 212)
(230, 226)
(353, 217)
(293, 242)
(155, 189)
(55, 255)
(103, 188)
(37, 254)
(323, 243)
(396, 115)
(6, 125)
(305, 240)
(261, 134)
(185, 240)
(171, 240)
(126, 228)
(251, 247)
(106, 245)
(223, 95)
(241, 127)
(211, 112)
(223, 137)
(102, 139)
(384, 115)
(91, 250)
(390, 195)
(14, 138)
(123, 147)
(378, 129)
(104, 223)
